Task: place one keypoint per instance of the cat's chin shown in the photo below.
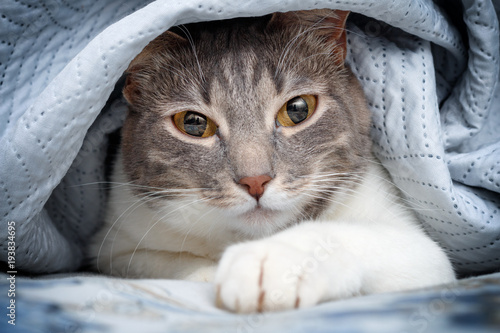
(260, 221)
(260, 215)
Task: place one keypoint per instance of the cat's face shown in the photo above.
(257, 119)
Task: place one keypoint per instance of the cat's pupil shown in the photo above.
(195, 123)
(297, 109)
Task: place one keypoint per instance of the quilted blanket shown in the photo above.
(429, 70)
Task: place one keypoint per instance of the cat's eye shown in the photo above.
(296, 110)
(194, 124)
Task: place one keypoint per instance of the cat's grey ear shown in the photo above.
(145, 59)
(327, 24)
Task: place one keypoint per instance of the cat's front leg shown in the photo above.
(316, 262)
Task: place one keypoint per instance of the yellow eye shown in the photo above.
(194, 124)
(296, 110)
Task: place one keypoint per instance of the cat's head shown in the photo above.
(257, 119)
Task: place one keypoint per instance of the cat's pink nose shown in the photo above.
(255, 185)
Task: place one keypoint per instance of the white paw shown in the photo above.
(270, 275)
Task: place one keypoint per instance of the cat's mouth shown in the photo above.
(266, 217)
(260, 210)
(261, 221)
(260, 215)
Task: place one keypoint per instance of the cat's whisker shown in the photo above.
(301, 215)
(151, 226)
(320, 184)
(337, 202)
(154, 225)
(131, 184)
(130, 209)
(326, 181)
(143, 200)
(329, 199)
(332, 187)
(163, 194)
(115, 185)
(120, 219)
(353, 180)
(405, 201)
(195, 223)
(332, 174)
(341, 191)
(406, 196)
(399, 200)
(339, 176)
(212, 225)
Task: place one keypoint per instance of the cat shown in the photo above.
(246, 161)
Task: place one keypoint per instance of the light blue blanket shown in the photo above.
(430, 76)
